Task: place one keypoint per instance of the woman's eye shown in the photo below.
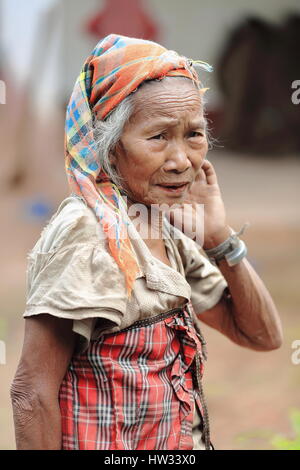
(196, 134)
(158, 136)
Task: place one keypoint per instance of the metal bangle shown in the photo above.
(232, 249)
(237, 254)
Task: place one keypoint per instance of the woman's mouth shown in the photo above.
(174, 188)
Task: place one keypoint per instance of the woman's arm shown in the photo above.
(248, 316)
(47, 350)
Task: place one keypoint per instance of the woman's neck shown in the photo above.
(148, 221)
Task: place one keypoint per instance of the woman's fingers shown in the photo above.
(205, 178)
(209, 172)
(201, 176)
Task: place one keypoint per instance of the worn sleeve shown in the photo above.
(72, 275)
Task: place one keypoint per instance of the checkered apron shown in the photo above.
(136, 389)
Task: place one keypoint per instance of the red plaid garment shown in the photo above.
(135, 389)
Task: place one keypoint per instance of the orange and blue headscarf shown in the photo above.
(115, 68)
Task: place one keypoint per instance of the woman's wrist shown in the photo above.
(216, 239)
(232, 249)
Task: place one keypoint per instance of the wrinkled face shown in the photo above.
(164, 143)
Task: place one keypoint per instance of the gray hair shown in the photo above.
(108, 132)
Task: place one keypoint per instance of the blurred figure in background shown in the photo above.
(256, 70)
(131, 20)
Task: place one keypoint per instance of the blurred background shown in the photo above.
(254, 114)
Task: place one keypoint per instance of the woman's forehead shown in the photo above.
(168, 99)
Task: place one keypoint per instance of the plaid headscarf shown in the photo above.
(115, 68)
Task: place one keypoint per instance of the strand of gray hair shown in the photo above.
(108, 133)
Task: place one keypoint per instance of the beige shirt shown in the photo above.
(71, 274)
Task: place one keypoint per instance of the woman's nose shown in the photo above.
(178, 159)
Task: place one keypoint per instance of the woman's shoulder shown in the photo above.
(73, 222)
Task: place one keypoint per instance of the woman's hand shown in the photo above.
(205, 190)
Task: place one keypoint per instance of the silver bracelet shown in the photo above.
(232, 249)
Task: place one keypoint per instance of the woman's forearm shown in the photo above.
(37, 421)
(47, 351)
(253, 309)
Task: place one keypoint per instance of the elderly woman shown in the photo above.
(113, 355)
